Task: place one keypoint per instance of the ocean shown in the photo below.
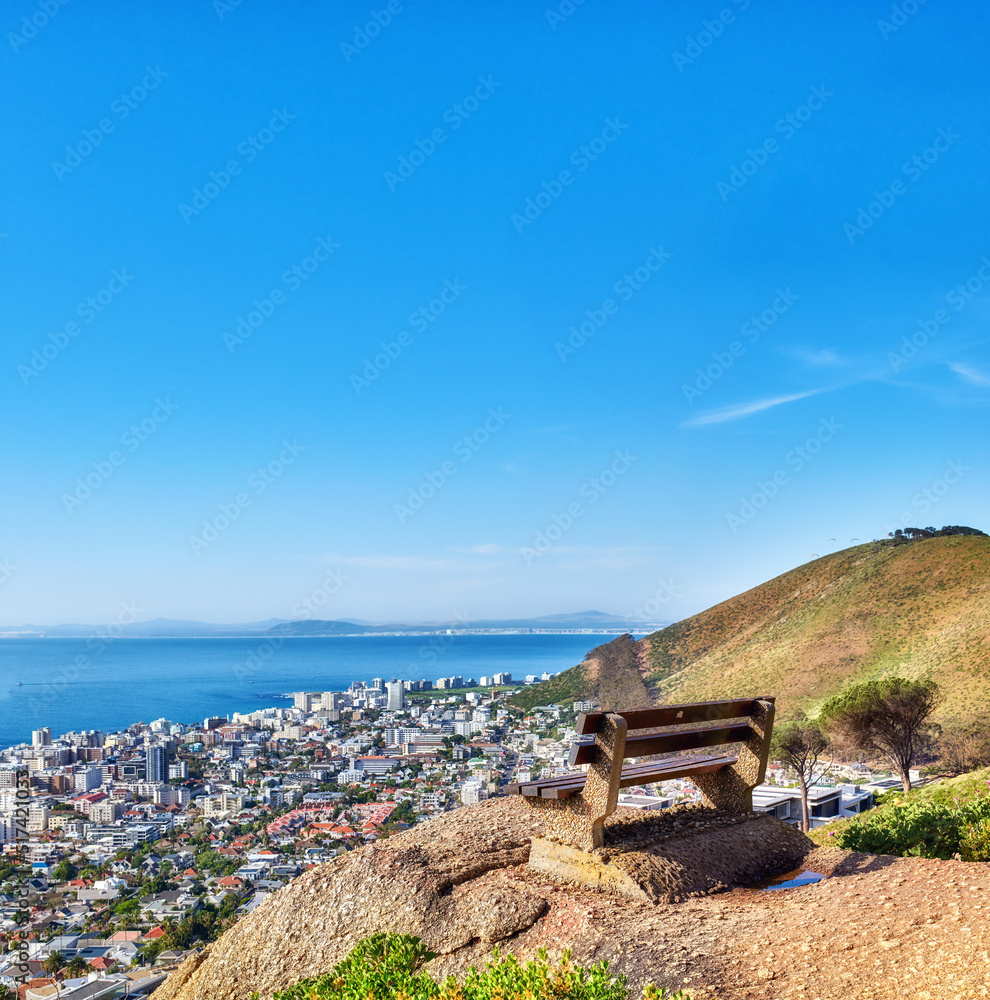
(108, 684)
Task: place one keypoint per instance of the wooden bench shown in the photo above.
(576, 805)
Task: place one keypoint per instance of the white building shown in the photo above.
(87, 778)
(303, 700)
(396, 696)
(473, 792)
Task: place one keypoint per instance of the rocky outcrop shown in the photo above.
(461, 883)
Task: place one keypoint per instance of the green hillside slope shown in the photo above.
(915, 609)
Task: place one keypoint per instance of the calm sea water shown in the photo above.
(71, 684)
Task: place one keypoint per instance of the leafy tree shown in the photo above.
(77, 967)
(798, 746)
(65, 870)
(888, 717)
(54, 963)
(961, 749)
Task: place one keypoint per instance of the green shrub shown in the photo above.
(923, 829)
(387, 967)
(975, 844)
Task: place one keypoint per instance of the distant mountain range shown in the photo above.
(163, 628)
(580, 621)
(916, 608)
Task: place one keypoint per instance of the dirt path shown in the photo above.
(876, 929)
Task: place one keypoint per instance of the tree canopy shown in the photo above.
(799, 745)
(888, 717)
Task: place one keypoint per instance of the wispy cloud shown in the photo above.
(728, 413)
(608, 559)
(824, 358)
(410, 564)
(515, 465)
(969, 374)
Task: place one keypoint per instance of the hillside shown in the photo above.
(911, 609)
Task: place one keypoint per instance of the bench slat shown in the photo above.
(565, 786)
(653, 743)
(674, 715)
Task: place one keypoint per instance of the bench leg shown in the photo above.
(566, 821)
(725, 790)
(580, 821)
(732, 788)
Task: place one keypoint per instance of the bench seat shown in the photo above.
(566, 786)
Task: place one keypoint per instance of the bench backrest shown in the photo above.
(733, 712)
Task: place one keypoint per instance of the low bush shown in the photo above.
(388, 967)
(975, 844)
(924, 829)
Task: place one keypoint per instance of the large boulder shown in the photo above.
(462, 884)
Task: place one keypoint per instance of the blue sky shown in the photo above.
(339, 271)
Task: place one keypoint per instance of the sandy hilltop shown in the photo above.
(875, 927)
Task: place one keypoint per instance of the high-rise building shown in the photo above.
(330, 700)
(378, 684)
(87, 778)
(396, 696)
(156, 764)
(302, 700)
(41, 737)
